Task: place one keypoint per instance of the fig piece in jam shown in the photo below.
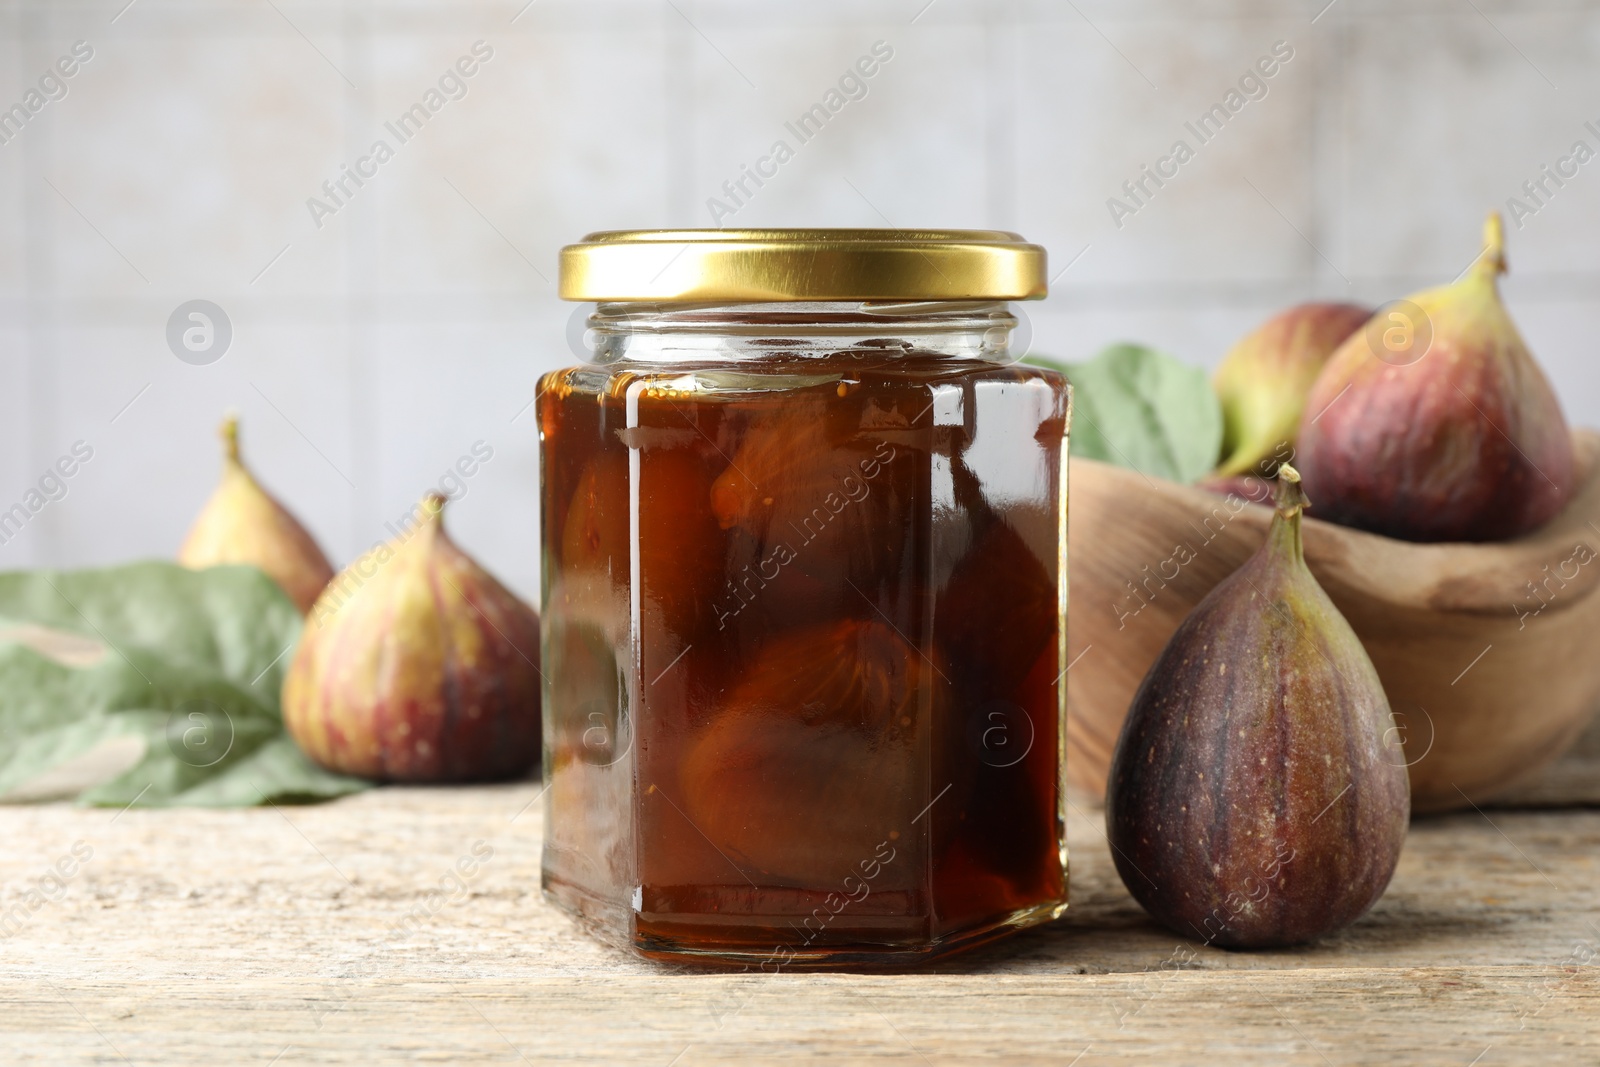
(818, 736)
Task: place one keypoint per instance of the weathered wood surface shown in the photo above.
(308, 935)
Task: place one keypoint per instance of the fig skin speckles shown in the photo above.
(1258, 795)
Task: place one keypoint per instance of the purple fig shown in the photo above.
(1258, 795)
(1264, 379)
(1435, 423)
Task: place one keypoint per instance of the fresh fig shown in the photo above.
(1258, 795)
(242, 523)
(1435, 423)
(417, 666)
(1264, 379)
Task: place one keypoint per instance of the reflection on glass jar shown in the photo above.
(804, 598)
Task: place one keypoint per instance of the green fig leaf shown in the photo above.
(177, 670)
(1138, 408)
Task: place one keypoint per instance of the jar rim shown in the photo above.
(798, 265)
(790, 331)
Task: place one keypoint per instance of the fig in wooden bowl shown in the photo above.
(1435, 423)
(1485, 650)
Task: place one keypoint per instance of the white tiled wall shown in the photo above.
(382, 345)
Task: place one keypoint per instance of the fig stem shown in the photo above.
(1491, 262)
(1290, 500)
(230, 438)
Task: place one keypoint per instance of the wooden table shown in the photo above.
(321, 935)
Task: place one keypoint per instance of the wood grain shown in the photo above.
(322, 935)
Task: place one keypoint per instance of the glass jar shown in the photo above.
(804, 598)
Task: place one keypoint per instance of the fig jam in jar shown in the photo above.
(804, 598)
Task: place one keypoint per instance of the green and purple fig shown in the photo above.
(417, 666)
(1435, 423)
(1264, 379)
(1258, 795)
(242, 523)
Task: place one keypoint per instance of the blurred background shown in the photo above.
(380, 337)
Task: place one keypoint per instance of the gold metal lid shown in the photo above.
(781, 265)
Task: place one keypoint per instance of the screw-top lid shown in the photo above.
(784, 265)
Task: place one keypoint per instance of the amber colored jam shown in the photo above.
(804, 635)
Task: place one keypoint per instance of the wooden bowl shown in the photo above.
(1490, 654)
